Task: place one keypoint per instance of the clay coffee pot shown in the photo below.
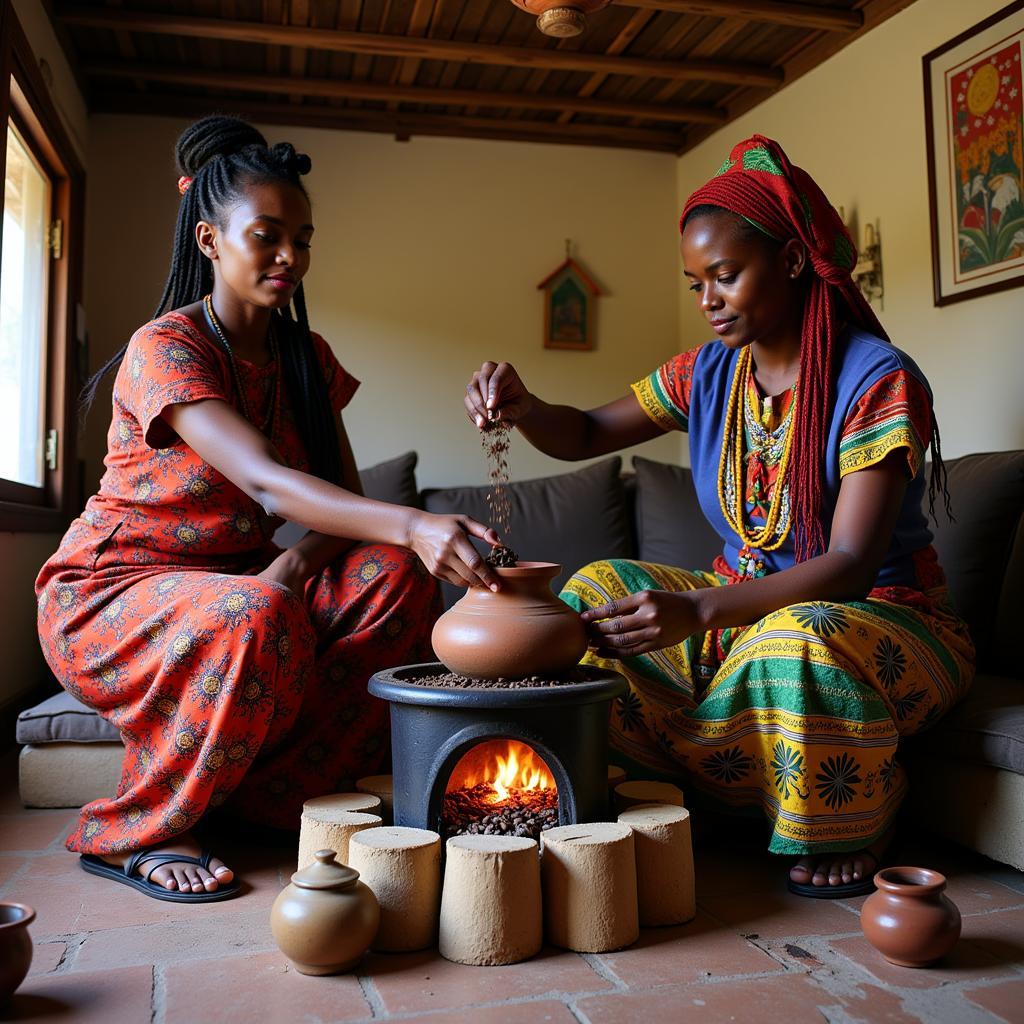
(908, 919)
(326, 919)
(15, 947)
(522, 630)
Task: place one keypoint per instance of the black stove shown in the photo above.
(433, 727)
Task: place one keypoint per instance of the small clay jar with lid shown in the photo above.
(326, 919)
(909, 919)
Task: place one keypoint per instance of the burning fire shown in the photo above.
(511, 765)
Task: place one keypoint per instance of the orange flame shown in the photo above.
(513, 765)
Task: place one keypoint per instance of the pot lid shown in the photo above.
(325, 873)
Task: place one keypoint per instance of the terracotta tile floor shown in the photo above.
(754, 953)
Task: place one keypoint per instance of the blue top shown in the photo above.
(881, 402)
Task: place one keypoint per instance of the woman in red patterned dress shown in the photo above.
(234, 670)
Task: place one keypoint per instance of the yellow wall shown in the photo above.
(425, 262)
(857, 124)
(21, 554)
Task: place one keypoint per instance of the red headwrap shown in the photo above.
(760, 184)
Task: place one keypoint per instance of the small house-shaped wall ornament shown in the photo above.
(570, 297)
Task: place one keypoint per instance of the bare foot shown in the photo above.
(840, 868)
(181, 876)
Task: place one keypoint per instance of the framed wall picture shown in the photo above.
(570, 298)
(974, 120)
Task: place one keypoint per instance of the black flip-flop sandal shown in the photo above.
(127, 876)
(862, 887)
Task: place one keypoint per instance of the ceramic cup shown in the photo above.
(15, 946)
(909, 919)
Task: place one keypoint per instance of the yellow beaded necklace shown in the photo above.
(772, 535)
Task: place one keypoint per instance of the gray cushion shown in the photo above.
(987, 493)
(62, 719)
(986, 727)
(393, 481)
(572, 519)
(670, 526)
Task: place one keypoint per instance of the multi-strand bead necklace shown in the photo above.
(769, 446)
(275, 407)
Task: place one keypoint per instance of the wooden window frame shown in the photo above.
(25, 100)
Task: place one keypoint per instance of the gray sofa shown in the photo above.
(968, 772)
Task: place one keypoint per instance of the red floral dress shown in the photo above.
(225, 687)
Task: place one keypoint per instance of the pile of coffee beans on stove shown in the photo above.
(469, 812)
(495, 440)
(454, 680)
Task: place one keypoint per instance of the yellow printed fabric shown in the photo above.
(799, 714)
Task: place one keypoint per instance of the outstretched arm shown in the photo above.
(229, 443)
(496, 391)
(862, 526)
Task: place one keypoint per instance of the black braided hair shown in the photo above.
(223, 156)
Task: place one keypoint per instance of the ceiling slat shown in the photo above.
(831, 19)
(401, 125)
(332, 88)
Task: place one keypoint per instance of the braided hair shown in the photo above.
(223, 156)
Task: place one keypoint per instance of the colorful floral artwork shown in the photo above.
(987, 105)
(974, 87)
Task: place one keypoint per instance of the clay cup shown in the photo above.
(15, 947)
(909, 919)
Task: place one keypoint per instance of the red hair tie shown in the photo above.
(183, 183)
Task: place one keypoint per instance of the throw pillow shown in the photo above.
(671, 528)
(571, 519)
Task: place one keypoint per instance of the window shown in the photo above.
(40, 279)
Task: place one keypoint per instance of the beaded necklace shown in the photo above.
(766, 444)
(275, 408)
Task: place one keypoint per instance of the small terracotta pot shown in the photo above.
(326, 919)
(909, 920)
(522, 630)
(15, 946)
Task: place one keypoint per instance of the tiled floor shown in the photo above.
(754, 952)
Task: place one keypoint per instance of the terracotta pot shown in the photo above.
(326, 919)
(522, 630)
(15, 946)
(909, 920)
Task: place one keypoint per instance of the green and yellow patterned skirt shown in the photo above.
(799, 714)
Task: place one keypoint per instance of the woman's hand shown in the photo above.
(442, 543)
(648, 620)
(289, 570)
(496, 392)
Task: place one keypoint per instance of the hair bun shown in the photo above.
(294, 163)
(210, 137)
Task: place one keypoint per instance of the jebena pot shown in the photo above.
(522, 630)
(326, 919)
(15, 947)
(909, 919)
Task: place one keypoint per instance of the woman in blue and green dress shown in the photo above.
(784, 675)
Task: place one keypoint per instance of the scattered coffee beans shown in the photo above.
(495, 440)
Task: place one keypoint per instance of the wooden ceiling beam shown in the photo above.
(732, 72)
(331, 88)
(829, 19)
(400, 125)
